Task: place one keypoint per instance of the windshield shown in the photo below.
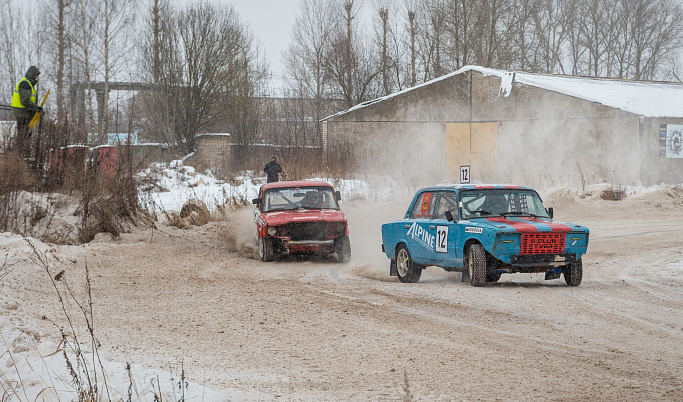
(502, 202)
(280, 199)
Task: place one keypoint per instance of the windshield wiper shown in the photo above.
(486, 213)
(517, 213)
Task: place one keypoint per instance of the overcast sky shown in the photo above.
(271, 21)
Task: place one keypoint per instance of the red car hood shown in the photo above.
(277, 218)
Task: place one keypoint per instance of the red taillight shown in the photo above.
(543, 243)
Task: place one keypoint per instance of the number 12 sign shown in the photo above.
(465, 174)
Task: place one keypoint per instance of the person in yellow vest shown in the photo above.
(25, 106)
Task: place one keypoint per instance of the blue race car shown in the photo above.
(483, 231)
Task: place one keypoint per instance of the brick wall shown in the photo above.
(213, 152)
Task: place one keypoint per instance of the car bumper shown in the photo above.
(307, 246)
(543, 259)
(308, 242)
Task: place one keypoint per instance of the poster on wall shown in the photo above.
(671, 141)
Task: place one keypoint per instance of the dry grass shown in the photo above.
(82, 376)
(108, 199)
(613, 194)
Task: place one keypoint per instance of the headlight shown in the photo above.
(272, 231)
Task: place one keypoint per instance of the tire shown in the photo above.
(492, 277)
(265, 249)
(574, 273)
(342, 246)
(476, 264)
(407, 270)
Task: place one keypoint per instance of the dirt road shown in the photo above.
(320, 330)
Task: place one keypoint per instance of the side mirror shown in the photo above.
(337, 195)
(550, 212)
(449, 216)
(256, 201)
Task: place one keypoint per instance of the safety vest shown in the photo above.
(16, 99)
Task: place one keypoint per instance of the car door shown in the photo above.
(257, 214)
(421, 229)
(445, 230)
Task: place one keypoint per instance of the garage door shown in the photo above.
(474, 144)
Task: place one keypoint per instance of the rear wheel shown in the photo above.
(574, 273)
(407, 270)
(265, 249)
(342, 246)
(476, 264)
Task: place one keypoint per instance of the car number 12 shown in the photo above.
(442, 239)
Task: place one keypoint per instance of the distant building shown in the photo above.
(516, 127)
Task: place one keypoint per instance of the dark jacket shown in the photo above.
(25, 95)
(272, 169)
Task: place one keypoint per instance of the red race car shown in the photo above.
(300, 217)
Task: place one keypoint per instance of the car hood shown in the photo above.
(277, 218)
(512, 224)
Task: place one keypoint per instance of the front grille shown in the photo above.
(308, 231)
(543, 243)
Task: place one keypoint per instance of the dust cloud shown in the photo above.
(237, 232)
(365, 232)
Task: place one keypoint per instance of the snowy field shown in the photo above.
(33, 365)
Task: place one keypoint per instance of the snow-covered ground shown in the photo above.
(34, 368)
(167, 187)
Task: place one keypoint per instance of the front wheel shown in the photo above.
(407, 270)
(265, 249)
(476, 264)
(574, 273)
(342, 246)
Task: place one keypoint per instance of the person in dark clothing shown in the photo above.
(25, 106)
(272, 169)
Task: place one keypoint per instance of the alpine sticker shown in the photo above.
(419, 234)
(470, 229)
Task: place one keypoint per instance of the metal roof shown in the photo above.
(642, 98)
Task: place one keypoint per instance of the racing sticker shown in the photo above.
(470, 229)
(441, 239)
(425, 202)
(422, 236)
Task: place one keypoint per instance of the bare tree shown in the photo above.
(306, 66)
(115, 19)
(85, 64)
(208, 74)
(411, 12)
(349, 61)
(553, 22)
(163, 68)
(382, 33)
(656, 34)
(432, 37)
(57, 38)
(9, 46)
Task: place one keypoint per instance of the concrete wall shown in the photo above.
(657, 169)
(543, 137)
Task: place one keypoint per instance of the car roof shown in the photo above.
(299, 183)
(477, 187)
